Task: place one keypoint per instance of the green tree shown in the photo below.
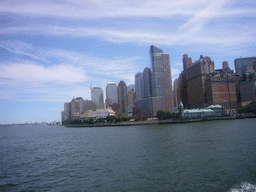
(144, 117)
(100, 120)
(77, 121)
(90, 121)
(118, 119)
(161, 115)
(125, 118)
(110, 119)
(250, 108)
(169, 115)
(66, 122)
(85, 121)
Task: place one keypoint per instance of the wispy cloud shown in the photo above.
(29, 79)
(115, 8)
(34, 72)
(20, 48)
(97, 9)
(194, 28)
(183, 23)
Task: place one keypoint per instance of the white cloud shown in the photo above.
(97, 9)
(116, 8)
(195, 31)
(182, 22)
(18, 47)
(28, 80)
(35, 72)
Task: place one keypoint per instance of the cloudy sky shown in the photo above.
(52, 50)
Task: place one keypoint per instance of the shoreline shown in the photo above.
(172, 121)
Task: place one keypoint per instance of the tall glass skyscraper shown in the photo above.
(156, 71)
(138, 85)
(146, 82)
(161, 76)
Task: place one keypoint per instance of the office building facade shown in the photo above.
(138, 85)
(146, 82)
(111, 94)
(161, 77)
(97, 97)
(197, 73)
(122, 98)
(242, 63)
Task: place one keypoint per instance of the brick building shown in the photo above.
(197, 74)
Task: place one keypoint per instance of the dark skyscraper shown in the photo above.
(138, 85)
(122, 98)
(187, 61)
(146, 82)
(197, 73)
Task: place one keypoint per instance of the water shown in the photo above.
(204, 156)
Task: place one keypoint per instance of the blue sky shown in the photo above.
(53, 50)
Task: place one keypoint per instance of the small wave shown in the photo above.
(244, 187)
(7, 186)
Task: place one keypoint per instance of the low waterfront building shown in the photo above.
(211, 111)
(218, 110)
(198, 113)
(98, 114)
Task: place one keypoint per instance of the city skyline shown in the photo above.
(51, 51)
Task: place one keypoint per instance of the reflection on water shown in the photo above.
(203, 156)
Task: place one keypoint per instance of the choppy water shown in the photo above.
(205, 156)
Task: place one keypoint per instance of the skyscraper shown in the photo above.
(161, 76)
(242, 63)
(75, 108)
(131, 97)
(138, 85)
(122, 98)
(146, 83)
(97, 97)
(187, 61)
(130, 87)
(157, 71)
(111, 94)
(197, 73)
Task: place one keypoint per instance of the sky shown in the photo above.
(52, 50)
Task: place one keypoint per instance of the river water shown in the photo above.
(201, 156)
